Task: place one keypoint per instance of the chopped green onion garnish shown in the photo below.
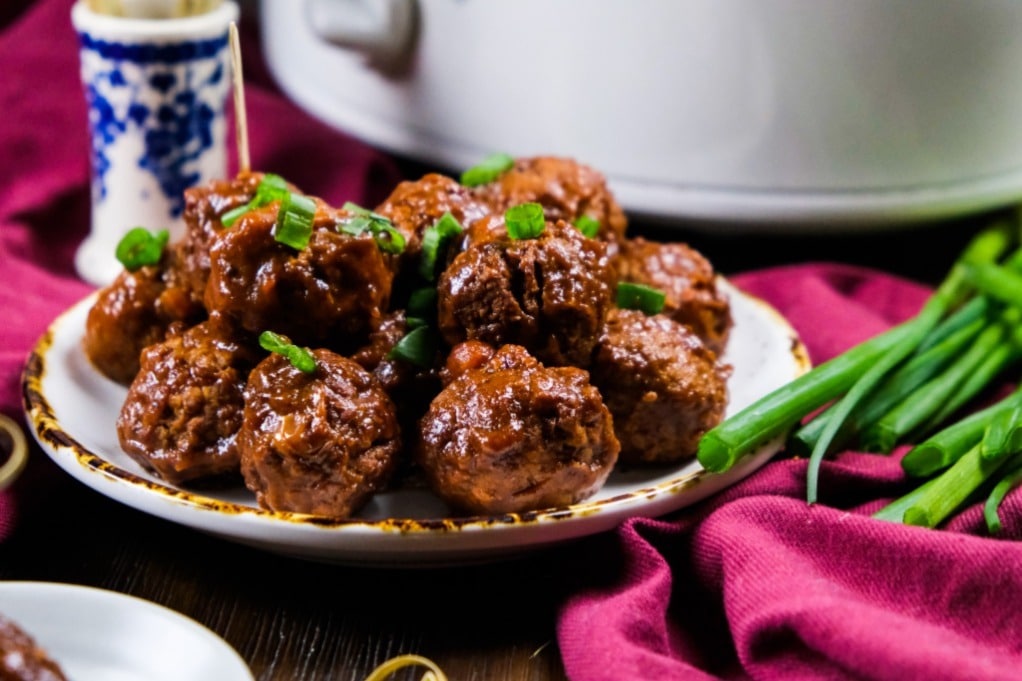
(140, 247)
(294, 221)
(300, 358)
(588, 226)
(271, 188)
(417, 347)
(422, 303)
(230, 217)
(387, 238)
(640, 297)
(489, 170)
(434, 239)
(525, 221)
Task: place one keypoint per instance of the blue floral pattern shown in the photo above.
(172, 94)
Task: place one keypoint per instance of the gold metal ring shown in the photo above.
(18, 456)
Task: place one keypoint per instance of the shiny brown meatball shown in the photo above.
(689, 282)
(184, 408)
(204, 206)
(132, 312)
(515, 436)
(549, 294)
(329, 293)
(565, 188)
(319, 443)
(663, 386)
(415, 206)
(22, 659)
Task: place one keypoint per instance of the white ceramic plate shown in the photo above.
(97, 635)
(72, 410)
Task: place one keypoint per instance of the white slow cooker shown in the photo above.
(804, 113)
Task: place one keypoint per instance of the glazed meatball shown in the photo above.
(689, 282)
(184, 408)
(549, 294)
(565, 188)
(329, 293)
(204, 207)
(134, 311)
(320, 443)
(663, 386)
(415, 206)
(22, 659)
(515, 436)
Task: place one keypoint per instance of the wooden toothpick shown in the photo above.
(240, 117)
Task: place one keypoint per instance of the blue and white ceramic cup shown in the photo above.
(156, 91)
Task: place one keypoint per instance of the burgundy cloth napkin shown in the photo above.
(756, 584)
(44, 184)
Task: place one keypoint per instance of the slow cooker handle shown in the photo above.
(382, 30)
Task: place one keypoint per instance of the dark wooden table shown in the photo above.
(294, 620)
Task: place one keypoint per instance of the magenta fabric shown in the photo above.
(44, 185)
(756, 584)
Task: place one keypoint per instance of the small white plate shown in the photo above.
(98, 635)
(73, 409)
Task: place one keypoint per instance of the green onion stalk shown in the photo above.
(854, 373)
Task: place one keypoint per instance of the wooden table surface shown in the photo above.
(294, 620)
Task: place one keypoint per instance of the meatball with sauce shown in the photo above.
(414, 206)
(565, 188)
(134, 311)
(688, 281)
(320, 442)
(663, 386)
(514, 436)
(549, 294)
(184, 408)
(205, 206)
(328, 293)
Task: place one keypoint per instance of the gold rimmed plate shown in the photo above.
(73, 409)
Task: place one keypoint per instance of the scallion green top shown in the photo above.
(301, 358)
(587, 225)
(387, 238)
(488, 170)
(434, 239)
(294, 221)
(525, 221)
(640, 297)
(271, 188)
(140, 247)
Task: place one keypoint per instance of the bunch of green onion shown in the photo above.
(908, 385)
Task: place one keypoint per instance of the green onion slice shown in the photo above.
(300, 358)
(434, 240)
(640, 297)
(488, 170)
(525, 221)
(387, 238)
(422, 303)
(294, 221)
(590, 227)
(418, 347)
(140, 247)
(271, 188)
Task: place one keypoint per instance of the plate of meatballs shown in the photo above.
(476, 367)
